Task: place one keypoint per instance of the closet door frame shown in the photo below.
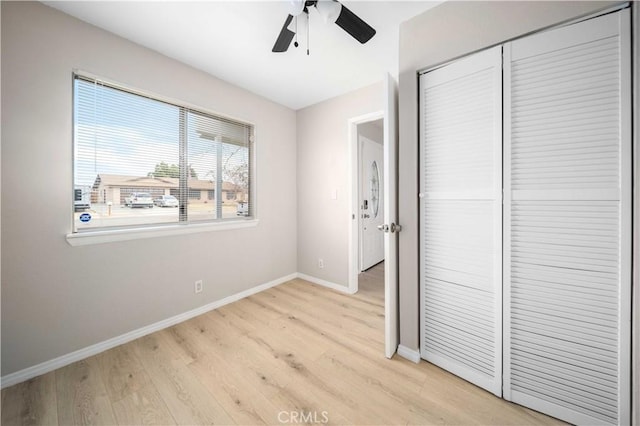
(625, 232)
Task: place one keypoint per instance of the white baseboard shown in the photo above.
(64, 360)
(410, 354)
(325, 283)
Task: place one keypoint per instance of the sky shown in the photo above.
(125, 134)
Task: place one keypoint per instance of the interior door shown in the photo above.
(568, 221)
(390, 227)
(371, 203)
(461, 218)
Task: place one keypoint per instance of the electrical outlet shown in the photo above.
(320, 263)
(198, 286)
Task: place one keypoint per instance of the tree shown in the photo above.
(238, 175)
(163, 169)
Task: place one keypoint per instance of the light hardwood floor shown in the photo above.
(294, 352)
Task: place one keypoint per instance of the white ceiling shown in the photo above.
(232, 40)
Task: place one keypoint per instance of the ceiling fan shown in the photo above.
(331, 11)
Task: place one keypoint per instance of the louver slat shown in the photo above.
(461, 218)
(564, 223)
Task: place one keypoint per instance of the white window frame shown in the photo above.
(106, 235)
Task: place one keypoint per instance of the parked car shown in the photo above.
(166, 201)
(139, 199)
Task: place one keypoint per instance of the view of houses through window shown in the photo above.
(141, 161)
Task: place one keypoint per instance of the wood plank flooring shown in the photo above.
(296, 353)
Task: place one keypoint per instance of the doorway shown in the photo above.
(358, 127)
(371, 285)
(370, 193)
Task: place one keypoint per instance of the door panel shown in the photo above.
(390, 216)
(567, 211)
(461, 218)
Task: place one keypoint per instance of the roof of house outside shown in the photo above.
(157, 182)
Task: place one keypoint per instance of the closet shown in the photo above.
(525, 245)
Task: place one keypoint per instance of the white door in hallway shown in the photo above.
(371, 203)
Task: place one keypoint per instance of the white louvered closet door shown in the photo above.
(568, 221)
(461, 219)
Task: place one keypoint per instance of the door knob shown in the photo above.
(390, 228)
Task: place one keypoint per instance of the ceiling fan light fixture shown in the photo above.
(329, 10)
(296, 7)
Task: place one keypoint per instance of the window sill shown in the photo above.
(113, 235)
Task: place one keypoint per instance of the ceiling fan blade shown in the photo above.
(285, 37)
(356, 27)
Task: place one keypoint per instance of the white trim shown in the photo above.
(410, 354)
(112, 235)
(325, 283)
(354, 210)
(64, 360)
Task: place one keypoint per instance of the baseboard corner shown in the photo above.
(325, 283)
(410, 354)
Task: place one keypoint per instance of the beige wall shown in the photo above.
(372, 130)
(448, 31)
(57, 298)
(323, 166)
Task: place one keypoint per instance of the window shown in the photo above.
(126, 143)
